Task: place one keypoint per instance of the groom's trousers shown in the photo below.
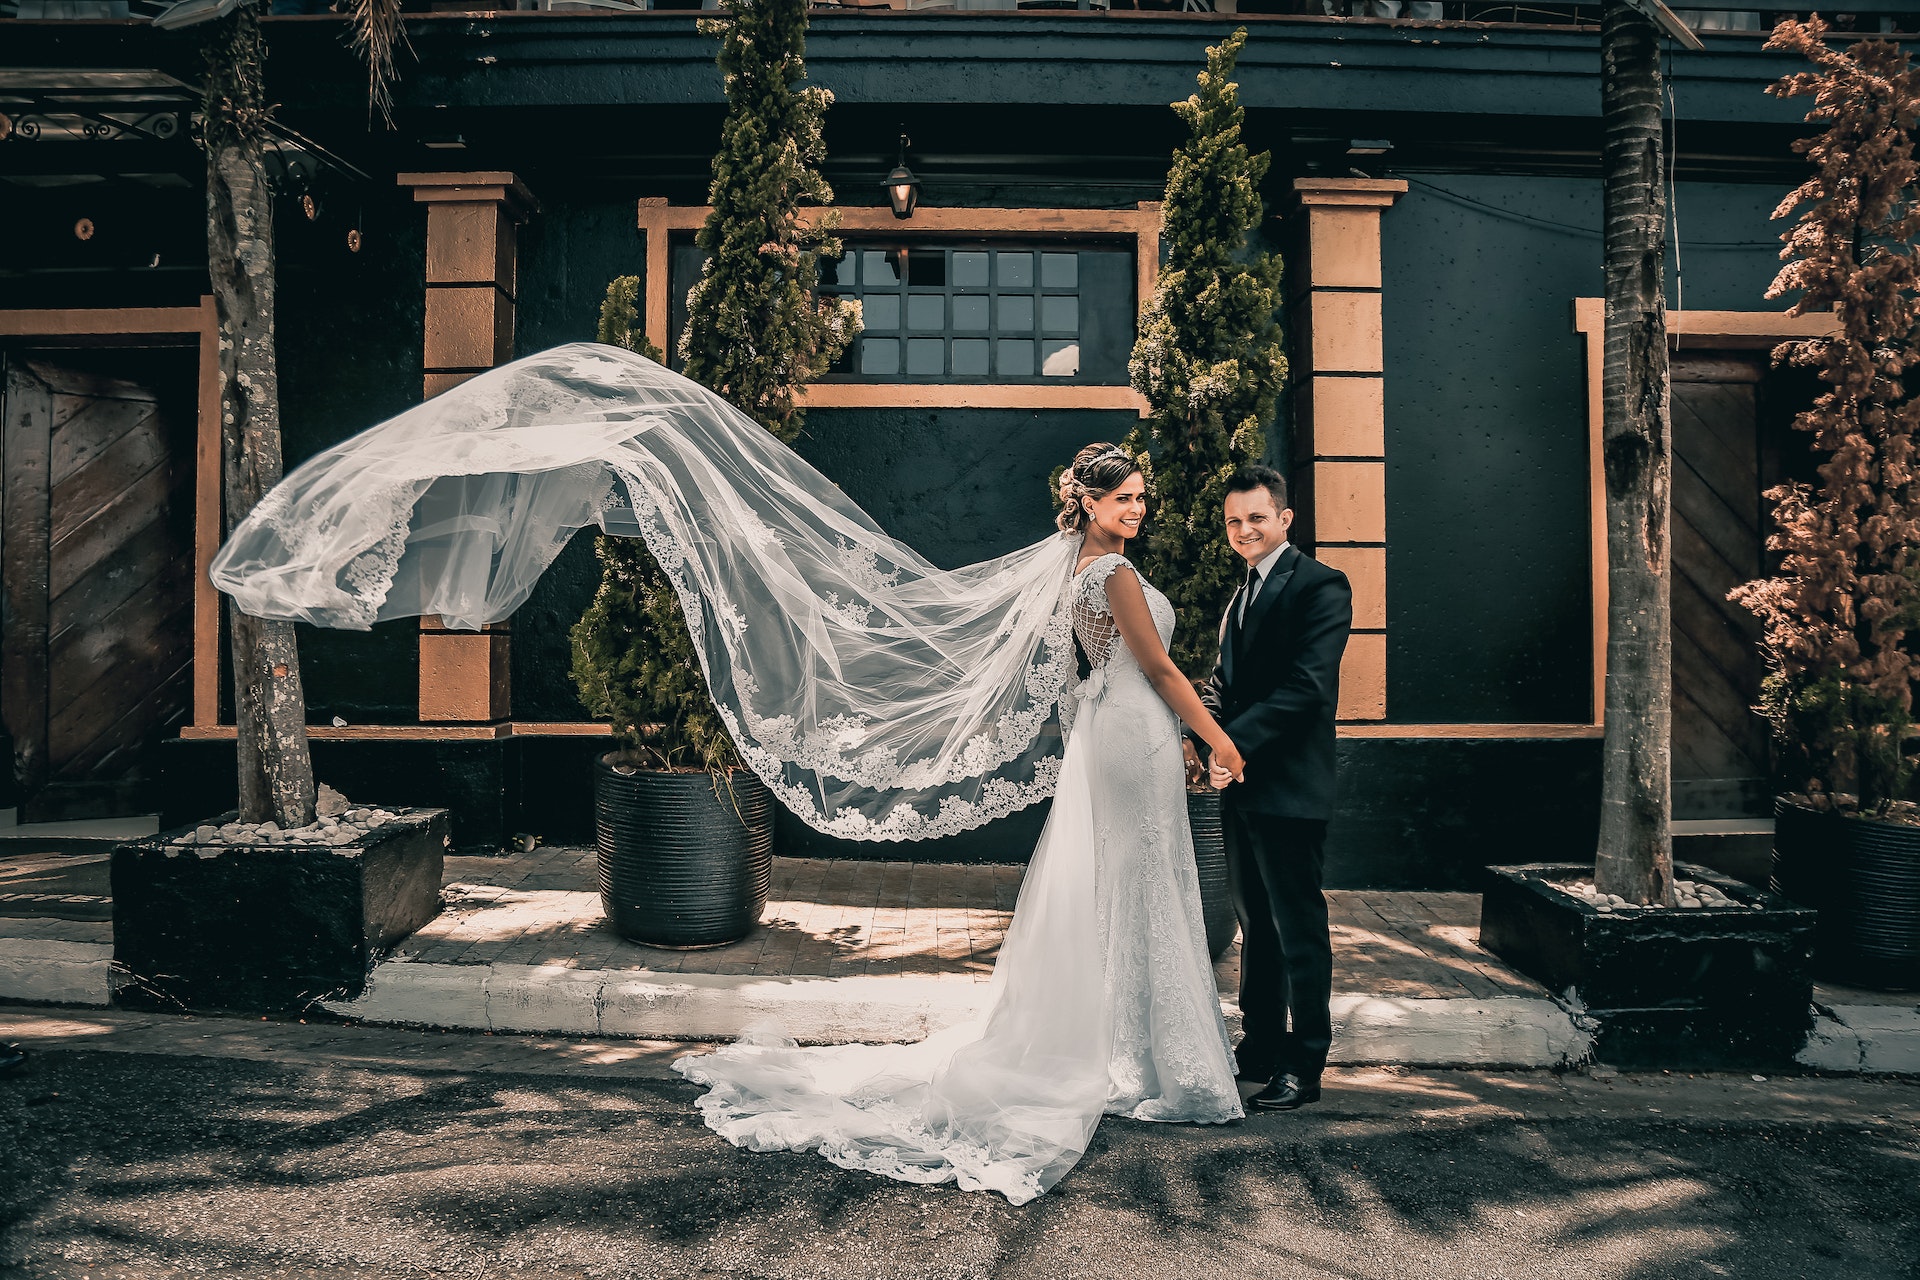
(1286, 957)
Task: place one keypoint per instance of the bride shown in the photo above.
(880, 697)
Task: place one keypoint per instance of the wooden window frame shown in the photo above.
(1721, 330)
(196, 327)
(1140, 224)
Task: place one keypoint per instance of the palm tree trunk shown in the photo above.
(276, 771)
(1635, 857)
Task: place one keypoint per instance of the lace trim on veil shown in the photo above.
(768, 744)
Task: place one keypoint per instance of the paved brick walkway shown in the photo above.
(846, 918)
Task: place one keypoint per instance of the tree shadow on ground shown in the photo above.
(173, 1164)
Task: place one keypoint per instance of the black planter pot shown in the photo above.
(1702, 989)
(1210, 857)
(1863, 876)
(683, 863)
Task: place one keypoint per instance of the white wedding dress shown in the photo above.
(1102, 1002)
(879, 696)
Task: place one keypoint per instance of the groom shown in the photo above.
(1274, 690)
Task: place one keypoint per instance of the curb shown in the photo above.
(1503, 1031)
(50, 961)
(658, 1006)
(1500, 1032)
(1869, 1038)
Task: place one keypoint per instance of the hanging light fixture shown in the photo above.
(903, 189)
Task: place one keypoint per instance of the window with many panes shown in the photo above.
(1011, 312)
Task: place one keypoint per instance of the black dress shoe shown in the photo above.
(1288, 1092)
(12, 1057)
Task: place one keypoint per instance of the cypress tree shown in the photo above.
(633, 658)
(756, 332)
(1208, 359)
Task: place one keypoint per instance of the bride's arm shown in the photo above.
(1134, 621)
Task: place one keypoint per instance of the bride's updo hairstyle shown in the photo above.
(1097, 470)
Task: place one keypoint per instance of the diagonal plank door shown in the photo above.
(97, 554)
(1721, 757)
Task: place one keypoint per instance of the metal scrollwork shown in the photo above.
(38, 126)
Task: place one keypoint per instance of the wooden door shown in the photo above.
(1721, 761)
(96, 572)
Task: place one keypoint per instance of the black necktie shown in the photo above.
(1251, 590)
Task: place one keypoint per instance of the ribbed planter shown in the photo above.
(1210, 857)
(1863, 876)
(683, 862)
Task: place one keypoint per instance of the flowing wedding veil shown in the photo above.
(880, 697)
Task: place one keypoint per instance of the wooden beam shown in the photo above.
(102, 322)
(206, 523)
(594, 729)
(421, 732)
(1469, 731)
(978, 395)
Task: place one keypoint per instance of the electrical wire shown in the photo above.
(1566, 228)
(1672, 228)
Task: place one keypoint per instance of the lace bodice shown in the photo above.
(1093, 622)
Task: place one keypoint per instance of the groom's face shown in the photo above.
(1255, 527)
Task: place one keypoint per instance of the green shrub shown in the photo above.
(633, 658)
(1209, 358)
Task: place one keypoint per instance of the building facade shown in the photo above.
(1435, 192)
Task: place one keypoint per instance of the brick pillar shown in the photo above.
(1339, 446)
(472, 227)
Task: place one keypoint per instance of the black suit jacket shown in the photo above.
(1277, 684)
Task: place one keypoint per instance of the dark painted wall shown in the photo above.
(569, 251)
(957, 485)
(350, 356)
(1487, 544)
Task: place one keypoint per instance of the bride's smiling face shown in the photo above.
(1120, 510)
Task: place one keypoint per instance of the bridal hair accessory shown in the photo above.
(1090, 463)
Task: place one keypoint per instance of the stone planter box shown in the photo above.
(269, 927)
(1705, 988)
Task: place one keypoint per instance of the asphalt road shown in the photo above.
(139, 1148)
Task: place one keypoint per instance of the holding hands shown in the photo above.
(1228, 765)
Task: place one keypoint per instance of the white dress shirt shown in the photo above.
(1265, 570)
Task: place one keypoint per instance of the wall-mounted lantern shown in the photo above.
(903, 189)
